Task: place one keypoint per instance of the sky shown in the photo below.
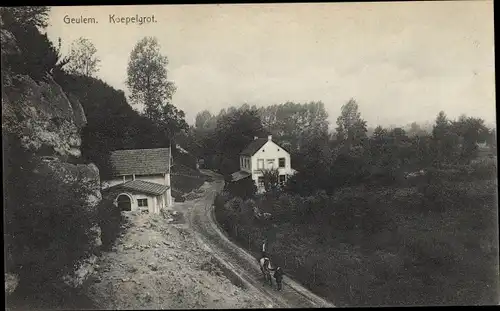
(402, 62)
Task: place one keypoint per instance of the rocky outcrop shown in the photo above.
(43, 116)
(48, 122)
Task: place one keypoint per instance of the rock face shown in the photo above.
(43, 115)
(49, 123)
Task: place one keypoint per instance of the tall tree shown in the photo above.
(445, 140)
(149, 86)
(351, 128)
(82, 58)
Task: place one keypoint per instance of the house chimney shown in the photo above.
(270, 137)
(255, 137)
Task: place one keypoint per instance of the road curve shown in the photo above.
(202, 220)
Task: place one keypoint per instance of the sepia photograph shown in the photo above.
(249, 156)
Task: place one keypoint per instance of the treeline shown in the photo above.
(328, 160)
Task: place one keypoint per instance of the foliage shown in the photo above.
(28, 15)
(83, 60)
(149, 86)
(351, 129)
(293, 124)
(46, 231)
(37, 54)
(233, 133)
(370, 265)
(244, 188)
(110, 221)
(271, 179)
(111, 122)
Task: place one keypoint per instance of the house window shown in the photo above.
(247, 162)
(142, 202)
(260, 164)
(282, 162)
(282, 179)
(261, 181)
(270, 163)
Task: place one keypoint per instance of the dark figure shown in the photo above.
(278, 275)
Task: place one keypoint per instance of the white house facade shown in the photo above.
(141, 179)
(263, 154)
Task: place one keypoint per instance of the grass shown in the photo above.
(397, 249)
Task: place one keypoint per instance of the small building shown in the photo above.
(263, 154)
(141, 179)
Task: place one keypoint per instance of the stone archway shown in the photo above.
(124, 202)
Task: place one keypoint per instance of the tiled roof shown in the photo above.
(140, 161)
(254, 146)
(239, 175)
(143, 187)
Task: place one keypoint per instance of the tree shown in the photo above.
(31, 52)
(416, 130)
(379, 132)
(351, 129)
(205, 121)
(29, 15)
(149, 86)
(471, 131)
(82, 58)
(445, 140)
(234, 132)
(293, 123)
(271, 179)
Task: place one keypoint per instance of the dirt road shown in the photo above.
(201, 218)
(157, 264)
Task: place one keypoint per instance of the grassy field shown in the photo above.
(393, 247)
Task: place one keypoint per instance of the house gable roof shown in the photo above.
(142, 186)
(140, 161)
(254, 146)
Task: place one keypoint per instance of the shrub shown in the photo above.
(110, 220)
(47, 221)
(484, 169)
(244, 188)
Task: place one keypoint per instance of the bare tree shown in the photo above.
(83, 60)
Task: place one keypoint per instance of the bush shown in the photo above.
(244, 188)
(110, 220)
(48, 221)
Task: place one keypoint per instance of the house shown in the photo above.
(141, 179)
(263, 154)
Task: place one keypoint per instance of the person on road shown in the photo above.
(264, 249)
(278, 275)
